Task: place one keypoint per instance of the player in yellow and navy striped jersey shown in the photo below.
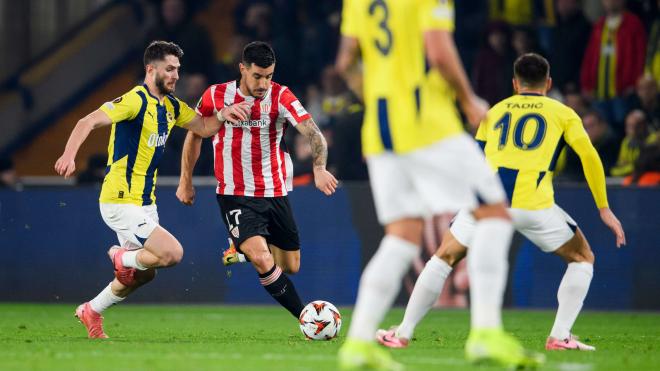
(141, 121)
(523, 136)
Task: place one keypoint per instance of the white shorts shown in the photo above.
(444, 177)
(132, 223)
(549, 229)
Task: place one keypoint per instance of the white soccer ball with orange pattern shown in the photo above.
(320, 320)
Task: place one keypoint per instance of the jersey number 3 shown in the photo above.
(383, 47)
(504, 124)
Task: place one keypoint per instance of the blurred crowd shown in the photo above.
(606, 66)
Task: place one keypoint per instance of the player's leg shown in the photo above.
(289, 261)
(430, 283)
(151, 246)
(573, 288)
(572, 291)
(399, 209)
(552, 230)
(160, 250)
(271, 277)
(464, 177)
(118, 218)
(427, 289)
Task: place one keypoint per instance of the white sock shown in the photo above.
(427, 289)
(129, 260)
(104, 300)
(487, 268)
(572, 291)
(241, 258)
(379, 285)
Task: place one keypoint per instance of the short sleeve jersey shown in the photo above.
(140, 127)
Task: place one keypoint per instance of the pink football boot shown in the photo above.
(389, 339)
(571, 343)
(93, 321)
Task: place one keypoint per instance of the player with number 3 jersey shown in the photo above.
(522, 137)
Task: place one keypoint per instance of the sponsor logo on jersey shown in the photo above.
(117, 100)
(156, 140)
(249, 124)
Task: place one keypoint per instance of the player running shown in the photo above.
(141, 121)
(523, 136)
(421, 162)
(254, 171)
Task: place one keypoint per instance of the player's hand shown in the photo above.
(475, 110)
(235, 113)
(325, 181)
(65, 165)
(185, 193)
(610, 220)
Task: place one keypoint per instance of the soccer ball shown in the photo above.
(320, 320)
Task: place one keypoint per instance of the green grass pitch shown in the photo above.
(168, 337)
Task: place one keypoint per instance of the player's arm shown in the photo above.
(437, 25)
(66, 164)
(442, 54)
(192, 146)
(324, 180)
(595, 175)
(206, 125)
(203, 127)
(347, 64)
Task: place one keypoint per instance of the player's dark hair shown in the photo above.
(531, 70)
(158, 50)
(259, 53)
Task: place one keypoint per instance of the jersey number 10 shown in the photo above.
(504, 124)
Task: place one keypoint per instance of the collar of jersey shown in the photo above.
(532, 94)
(146, 88)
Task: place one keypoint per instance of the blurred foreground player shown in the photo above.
(141, 121)
(421, 163)
(254, 171)
(523, 136)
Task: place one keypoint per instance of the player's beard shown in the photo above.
(160, 84)
(255, 92)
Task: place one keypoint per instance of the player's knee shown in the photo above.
(172, 256)
(291, 268)
(262, 261)
(449, 257)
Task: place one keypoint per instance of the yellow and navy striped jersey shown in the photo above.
(523, 136)
(408, 105)
(140, 127)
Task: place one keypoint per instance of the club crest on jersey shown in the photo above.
(170, 116)
(234, 232)
(265, 108)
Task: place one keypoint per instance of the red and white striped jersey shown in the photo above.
(249, 160)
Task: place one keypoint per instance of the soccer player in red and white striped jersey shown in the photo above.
(254, 171)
